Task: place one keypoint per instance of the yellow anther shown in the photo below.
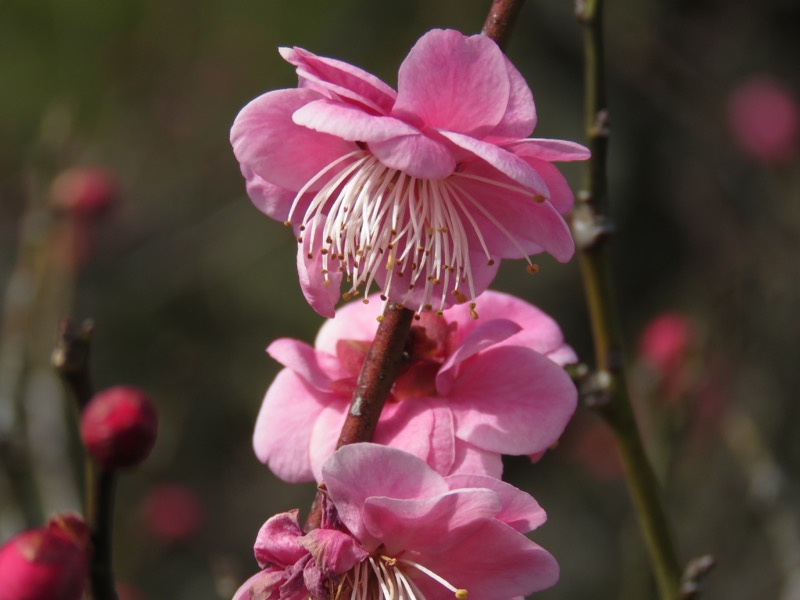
(462, 594)
(472, 312)
(532, 268)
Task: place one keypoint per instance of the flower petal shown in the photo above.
(272, 200)
(320, 287)
(359, 471)
(338, 78)
(302, 359)
(442, 451)
(428, 524)
(454, 82)
(508, 163)
(512, 400)
(487, 334)
(469, 459)
(264, 585)
(520, 116)
(355, 321)
(511, 221)
(276, 542)
(549, 150)
(496, 563)
(518, 509)
(259, 137)
(408, 426)
(325, 435)
(416, 155)
(350, 122)
(334, 552)
(284, 425)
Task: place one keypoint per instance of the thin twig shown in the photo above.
(70, 359)
(592, 228)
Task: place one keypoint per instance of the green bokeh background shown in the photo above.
(187, 282)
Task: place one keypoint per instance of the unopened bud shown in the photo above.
(84, 192)
(119, 426)
(47, 563)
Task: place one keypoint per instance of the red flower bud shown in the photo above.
(84, 192)
(172, 513)
(119, 426)
(47, 563)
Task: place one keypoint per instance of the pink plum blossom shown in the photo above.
(471, 391)
(393, 528)
(418, 191)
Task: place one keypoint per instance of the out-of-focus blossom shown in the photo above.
(472, 390)
(172, 513)
(119, 427)
(84, 192)
(665, 342)
(588, 441)
(418, 191)
(764, 118)
(395, 529)
(47, 563)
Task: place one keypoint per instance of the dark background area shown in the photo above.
(188, 283)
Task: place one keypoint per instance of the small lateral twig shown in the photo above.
(70, 359)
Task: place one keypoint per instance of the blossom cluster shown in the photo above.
(418, 193)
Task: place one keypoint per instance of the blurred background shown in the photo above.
(120, 200)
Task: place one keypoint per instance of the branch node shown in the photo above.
(694, 574)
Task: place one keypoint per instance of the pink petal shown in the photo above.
(358, 471)
(518, 509)
(270, 199)
(470, 459)
(355, 321)
(259, 137)
(539, 331)
(561, 196)
(512, 400)
(321, 291)
(325, 435)
(508, 163)
(520, 116)
(454, 82)
(428, 524)
(264, 585)
(416, 155)
(497, 563)
(442, 446)
(533, 226)
(407, 426)
(333, 77)
(276, 543)
(284, 425)
(488, 333)
(302, 359)
(334, 552)
(549, 150)
(350, 122)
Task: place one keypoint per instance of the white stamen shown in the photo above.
(378, 223)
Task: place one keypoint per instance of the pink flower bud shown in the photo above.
(84, 192)
(119, 427)
(665, 342)
(47, 563)
(172, 513)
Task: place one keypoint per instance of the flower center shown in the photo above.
(379, 225)
(385, 578)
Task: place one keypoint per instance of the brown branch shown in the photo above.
(501, 19)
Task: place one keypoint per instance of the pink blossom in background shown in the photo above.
(418, 191)
(172, 513)
(764, 118)
(665, 342)
(395, 529)
(473, 390)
